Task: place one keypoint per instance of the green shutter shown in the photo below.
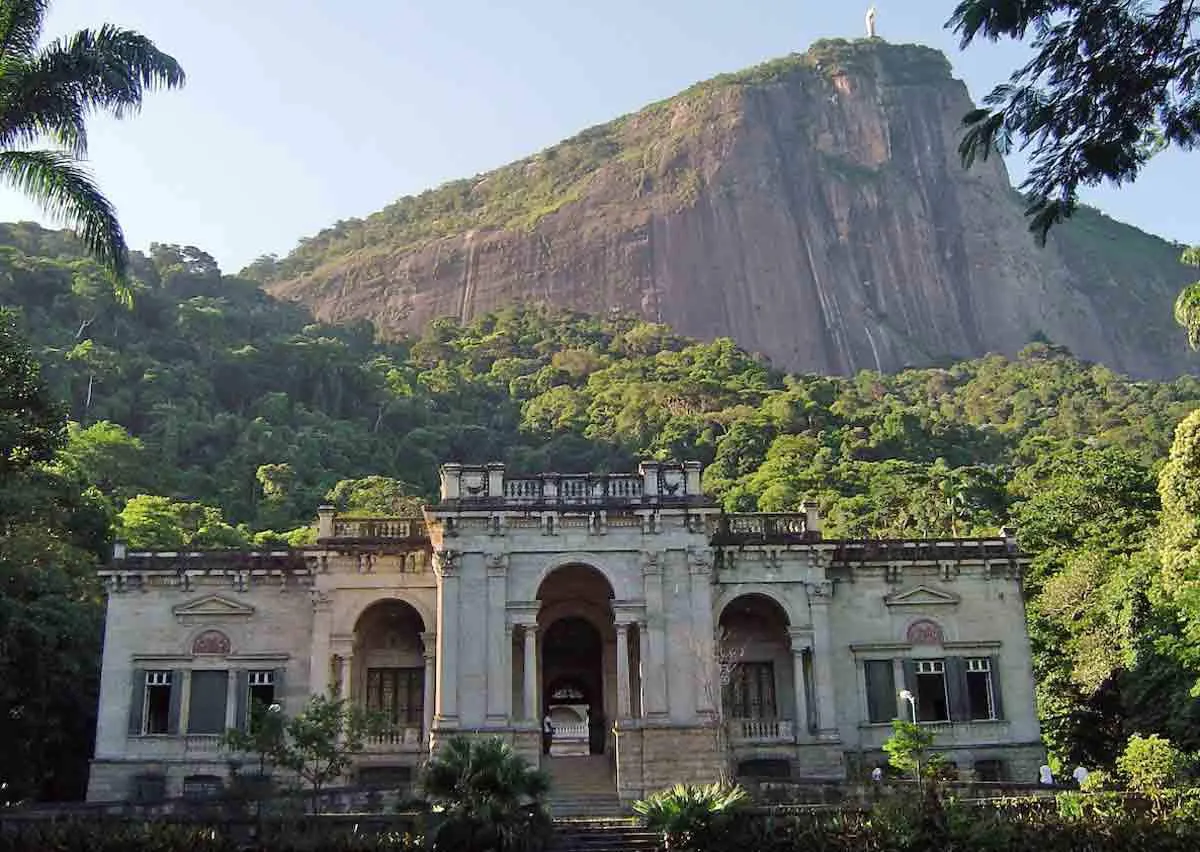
(176, 701)
(137, 697)
(280, 686)
(994, 674)
(956, 689)
(910, 683)
(242, 694)
(881, 690)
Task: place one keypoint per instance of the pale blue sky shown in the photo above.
(298, 113)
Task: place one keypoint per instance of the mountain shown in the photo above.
(813, 209)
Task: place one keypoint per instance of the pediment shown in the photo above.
(214, 606)
(921, 596)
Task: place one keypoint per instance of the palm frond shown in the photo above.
(67, 192)
(36, 105)
(111, 67)
(20, 26)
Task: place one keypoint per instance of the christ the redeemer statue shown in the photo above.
(871, 22)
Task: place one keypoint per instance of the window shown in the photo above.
(751, 691)
(399, 693)
(156, 704)
(932, 702)
(881, 690)
(206, 707)
(262, 688)
(980, 695)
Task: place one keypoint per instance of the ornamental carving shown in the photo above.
(211, 642)
(924, 632)
(447, 561)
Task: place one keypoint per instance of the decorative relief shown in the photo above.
(474, 483)
(211, 642)
(924, 632)
(321, 600)
(699, 561)
(497, 564)
(650, 563)
(820, 591)
(447, 561)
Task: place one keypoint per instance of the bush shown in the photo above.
(691, 817)
(485, 797)
(1150, 764)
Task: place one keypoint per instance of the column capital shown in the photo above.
(623, 626)
(429, 643)
(497, 564)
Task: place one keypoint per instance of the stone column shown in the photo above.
(654, 662)
(531, 709)
(447, 660)
(346, 676)
(820, 596)
(499, 674)
(318, 660)
(703, 629)
(623, 707)
(430, 642)
(800, 644)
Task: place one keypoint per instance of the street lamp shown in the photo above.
(907, 695)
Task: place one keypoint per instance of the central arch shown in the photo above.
(578, 656)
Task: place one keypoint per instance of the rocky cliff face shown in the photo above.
(813, 209)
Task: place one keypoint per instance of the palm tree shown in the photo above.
(485, 797)
(46, 93)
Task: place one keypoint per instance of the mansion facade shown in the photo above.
(648, 625)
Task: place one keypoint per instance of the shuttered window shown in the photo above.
(208, 702)
(881, 690)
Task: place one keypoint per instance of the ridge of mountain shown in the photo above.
(813, 208)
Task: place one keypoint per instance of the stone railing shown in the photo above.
(946, 734)
(654, 484)
(397, 739)
(348, 527)
(582, 490)
(571, 731)
(763, 528)
(760, 730)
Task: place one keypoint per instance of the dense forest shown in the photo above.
(204, 413)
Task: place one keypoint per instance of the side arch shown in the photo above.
(350, 617)
(796, 616)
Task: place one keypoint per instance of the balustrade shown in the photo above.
(760, 730)
(397, 739)
(379, 528)
(759, 527)
(574, 490)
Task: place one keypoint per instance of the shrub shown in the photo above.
(691, 817)
(1150, 764)
(485, 797)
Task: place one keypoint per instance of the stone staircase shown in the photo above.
(582, 787)
(603, 835)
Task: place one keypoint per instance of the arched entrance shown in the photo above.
(390, 667)
(578, 658)
(758, 690)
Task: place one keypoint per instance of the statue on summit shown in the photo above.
(871, 23)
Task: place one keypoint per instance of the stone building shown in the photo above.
(661, 636)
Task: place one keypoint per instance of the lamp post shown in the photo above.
(907, 695)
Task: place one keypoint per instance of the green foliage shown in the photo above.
(318, 744)
(692, 817)
(1089, 121)
(908, 750)
(158, 523)
(1151, 764)
(485, 797)
(45, 95)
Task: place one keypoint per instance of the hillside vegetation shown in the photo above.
(209, 414)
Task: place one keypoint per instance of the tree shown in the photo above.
(1111, 82)
(318, 744)
(488, 797)
(47, 93)
(908, 750)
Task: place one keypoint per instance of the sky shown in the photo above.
(299, 113)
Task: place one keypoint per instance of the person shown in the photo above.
(877, 774)
(547, 734)
(1045, 775)
(1080, 775)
